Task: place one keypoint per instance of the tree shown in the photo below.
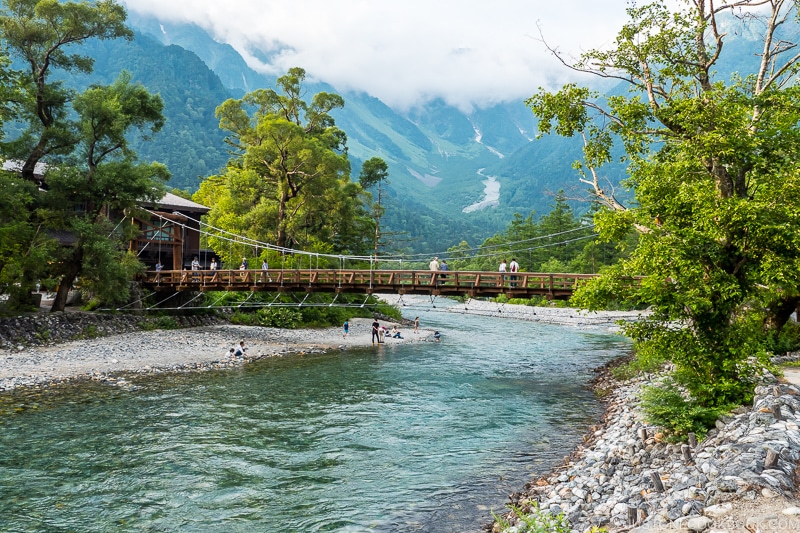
(288, 180)
(41, 32)
(711, 163)
(559, 222)
(102, 180)
(91, 174)
(375, 173)
(24, 248)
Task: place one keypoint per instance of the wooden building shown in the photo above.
(173, 237)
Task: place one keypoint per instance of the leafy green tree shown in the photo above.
(375, 173)
(101, 180)
(91, 174)
(288, 180)
(41, 33)
(560, 247)
(711, 163)
(25, 249)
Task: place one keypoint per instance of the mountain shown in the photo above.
(452, 176)
(190, 143)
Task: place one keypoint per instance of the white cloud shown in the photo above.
(404, 52)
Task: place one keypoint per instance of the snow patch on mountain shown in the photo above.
(491, 194)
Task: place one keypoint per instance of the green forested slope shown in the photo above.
(438, 156)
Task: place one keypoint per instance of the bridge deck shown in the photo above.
(451, 283)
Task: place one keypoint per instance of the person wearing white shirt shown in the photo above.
(513, 267)
(434, 266)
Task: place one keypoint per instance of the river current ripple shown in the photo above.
(419, 437)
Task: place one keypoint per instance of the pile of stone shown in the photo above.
(627, 477)
(44, 329)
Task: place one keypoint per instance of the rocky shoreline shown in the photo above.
(564, 316)
(742, 478)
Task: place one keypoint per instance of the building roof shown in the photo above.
(168, 201)
(174, 202)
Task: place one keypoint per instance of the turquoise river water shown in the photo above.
(423, 437)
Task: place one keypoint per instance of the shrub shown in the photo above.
(665, 406)
(536, 520)
(280, 317)
(243, 318)
(166, 322)
(43, 334)
(637, 365)
(788, 340)
(91, 304)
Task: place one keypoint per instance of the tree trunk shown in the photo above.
(29, 167)
(280, 235)
(73, 268)
(778, 313)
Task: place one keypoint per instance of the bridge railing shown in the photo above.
(375, 280)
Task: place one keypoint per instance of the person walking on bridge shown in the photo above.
(513, 267)
(434, 266)
(443, 268)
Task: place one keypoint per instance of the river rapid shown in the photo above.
(417, 437)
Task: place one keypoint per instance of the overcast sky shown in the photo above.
(405, 52)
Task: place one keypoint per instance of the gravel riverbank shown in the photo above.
(626, 478)
(743, 478)
(33, 356)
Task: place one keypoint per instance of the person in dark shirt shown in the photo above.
(376, 327)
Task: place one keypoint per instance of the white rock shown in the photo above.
(715, 511)
(792, 511)
(620, 508)
(769, 493)
(699, 523)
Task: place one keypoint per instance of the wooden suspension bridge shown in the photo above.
(450, 283)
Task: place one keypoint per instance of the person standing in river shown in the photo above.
(416, 325)
(376, 326)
